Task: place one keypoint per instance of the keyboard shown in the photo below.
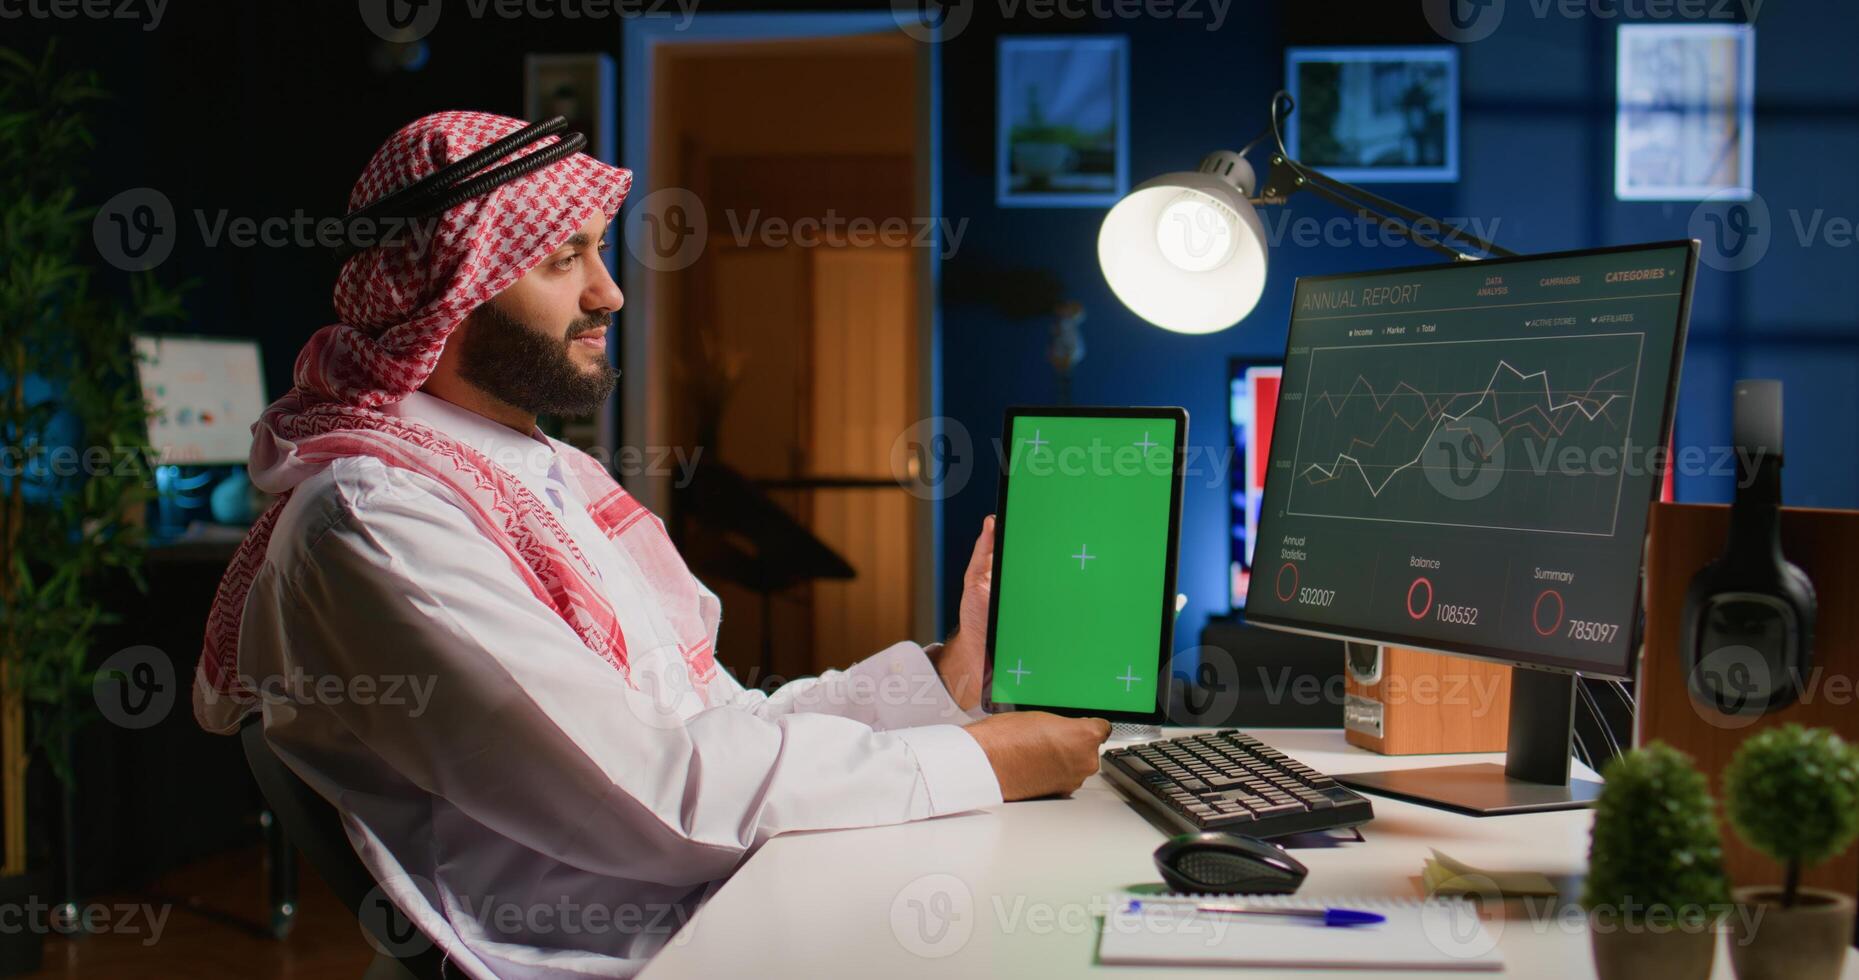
(1232, 782)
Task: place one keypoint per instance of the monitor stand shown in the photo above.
(1535, 773)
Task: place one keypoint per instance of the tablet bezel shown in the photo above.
(1165, 651)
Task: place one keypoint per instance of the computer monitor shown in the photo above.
(205, 393)
(1463, 461)
(1252, 402)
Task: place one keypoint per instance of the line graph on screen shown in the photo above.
(1468, 433)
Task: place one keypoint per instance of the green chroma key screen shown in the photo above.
(1084, 578)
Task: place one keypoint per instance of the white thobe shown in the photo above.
(528, 809)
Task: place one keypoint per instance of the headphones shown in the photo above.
(1748, 628)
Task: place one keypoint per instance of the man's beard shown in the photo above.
(530, 370)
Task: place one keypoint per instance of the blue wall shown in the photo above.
(1536, 151)
(1536, 157)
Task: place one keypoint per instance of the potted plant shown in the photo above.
(1793, 794)
(67, 382)
(1656, 884)
(1041, 150)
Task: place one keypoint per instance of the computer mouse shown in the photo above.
(1228, 864)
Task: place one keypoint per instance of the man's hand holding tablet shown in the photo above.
(1037, 753)
(1034, 753)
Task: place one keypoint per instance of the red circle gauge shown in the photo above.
(1285, 592)
(1425, 607)
(1536, 612)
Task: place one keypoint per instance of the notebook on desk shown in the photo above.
(1163, 930)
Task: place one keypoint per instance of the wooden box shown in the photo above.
(1428, 702)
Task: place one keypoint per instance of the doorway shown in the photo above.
(791, 347)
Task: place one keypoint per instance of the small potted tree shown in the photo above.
(1793, 794)
(1656, 886)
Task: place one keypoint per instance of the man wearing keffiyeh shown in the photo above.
(577, 744)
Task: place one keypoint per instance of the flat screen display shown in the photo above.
(1252, 400)
(1084, 552)
(205, 393)
(1464, 456)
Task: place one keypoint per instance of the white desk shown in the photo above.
(1014, 891)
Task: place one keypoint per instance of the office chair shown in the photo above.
(314, 827)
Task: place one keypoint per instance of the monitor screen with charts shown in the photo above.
(205, 393)
(1465, 455)
(1082, 606)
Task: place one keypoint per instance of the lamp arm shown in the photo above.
(1425, 231)
(1288, 176)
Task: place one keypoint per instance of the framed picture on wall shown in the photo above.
(1684, 118)
(1062, 126)
(1368, 115)
(578, 87)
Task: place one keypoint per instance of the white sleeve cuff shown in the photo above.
(905, 690)
(955, 771)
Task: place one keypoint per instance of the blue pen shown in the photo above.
(1329, 917)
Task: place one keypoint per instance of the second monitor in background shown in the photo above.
(1252, 404)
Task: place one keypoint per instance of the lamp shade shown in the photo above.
(1186, 251)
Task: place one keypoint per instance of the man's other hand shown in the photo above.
(961, 660)
(1037, 753)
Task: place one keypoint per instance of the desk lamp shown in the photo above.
(1186, 250)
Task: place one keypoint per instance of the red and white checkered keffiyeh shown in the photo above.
(397, 306)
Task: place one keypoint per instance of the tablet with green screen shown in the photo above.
(1081, 619)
